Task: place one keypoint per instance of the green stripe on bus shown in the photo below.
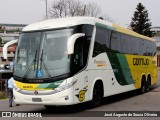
(121, 68)
(125, 68)
(50, 85)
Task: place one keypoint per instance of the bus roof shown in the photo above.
(59, 23)
(130, 32)
(72, 21)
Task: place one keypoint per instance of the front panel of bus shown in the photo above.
(43, 70)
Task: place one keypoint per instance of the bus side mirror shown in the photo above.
(6, 46)
(71, 42)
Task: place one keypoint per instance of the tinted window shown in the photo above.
(135, 45)
(81, 49)
(115, 42)
(88, 30)
(125, 42)
(149, 48)
(153, 48)
(143, 47)
(78, 55)
(101, 41)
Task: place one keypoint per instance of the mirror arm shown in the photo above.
(71, 42)
(6, 46)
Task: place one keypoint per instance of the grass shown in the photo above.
(157, 34)
(2, 95)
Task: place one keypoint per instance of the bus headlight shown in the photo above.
(16, 88)
(64, 87)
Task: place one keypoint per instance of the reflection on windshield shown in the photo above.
(26, 51)
(55, 51)
(51, 58)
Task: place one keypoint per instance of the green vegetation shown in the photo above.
(140, 22)
(2, 95)
(157, 34)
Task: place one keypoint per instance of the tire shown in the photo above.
(143, 86)
(148, 84)
(97, 95)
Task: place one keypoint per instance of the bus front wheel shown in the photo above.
(97, 94)
(148, 83)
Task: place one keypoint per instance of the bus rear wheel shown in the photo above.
(148, 83)
(97, 95)
(143, 86)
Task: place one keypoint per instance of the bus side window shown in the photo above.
(102, 42)
(115, 44)
(78, 61)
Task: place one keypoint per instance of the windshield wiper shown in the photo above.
(45, 66)
(41, 59)
(29, 68)
(35, 59)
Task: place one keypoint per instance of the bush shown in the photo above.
(2, 95)
(157, 34)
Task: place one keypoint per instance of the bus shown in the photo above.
(67, 61)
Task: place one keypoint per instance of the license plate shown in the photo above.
(36, 99)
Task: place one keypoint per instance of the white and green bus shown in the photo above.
(68, 61)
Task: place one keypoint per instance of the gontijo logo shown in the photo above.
(140, 61)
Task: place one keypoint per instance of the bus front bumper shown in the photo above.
(61, 98)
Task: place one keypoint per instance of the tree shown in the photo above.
(70, 8)
(93, 10)
(64, 8)
(140, 22)
(0, 40)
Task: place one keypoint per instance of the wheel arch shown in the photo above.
(143, 77)
(98, 80)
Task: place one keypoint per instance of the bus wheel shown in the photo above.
(148, 83)
(97, 94)
(143, 86)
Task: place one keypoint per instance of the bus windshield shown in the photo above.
(43, 54)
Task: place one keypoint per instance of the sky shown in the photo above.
(121, 11)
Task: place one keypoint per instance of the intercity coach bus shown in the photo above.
(68, 61)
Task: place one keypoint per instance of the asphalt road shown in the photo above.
(130, 101)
